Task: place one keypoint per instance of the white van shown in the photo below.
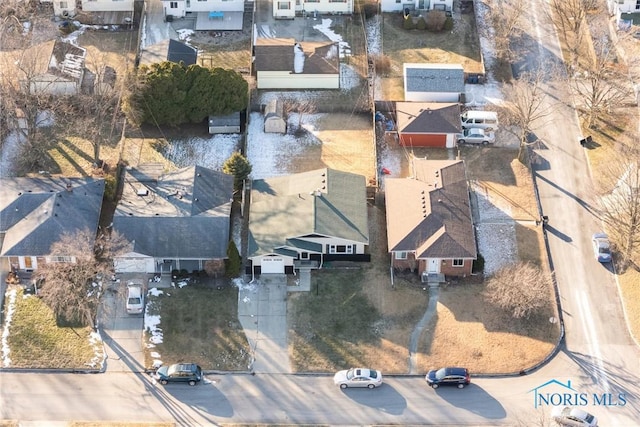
(479, 119)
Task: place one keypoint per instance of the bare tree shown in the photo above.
(506, 21)
(620, 203)
(605, 83)
(570, 17)
(300, 106)
(525, 105)
(72, 287)
(521, 289)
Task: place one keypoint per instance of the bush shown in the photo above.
(382, 64)
(422, 24)
(478, 264)
(110, 187)
(234, 262)
(435, 20)
(408, 23)
(370, 10)
(448, 24)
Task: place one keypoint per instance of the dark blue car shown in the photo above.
(180, 372)
(458, 377)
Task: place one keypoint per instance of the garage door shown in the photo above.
(423, 140)
(272, 265)
(131, 265)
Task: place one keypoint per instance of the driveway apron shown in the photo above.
(262, 311)
(121, 332)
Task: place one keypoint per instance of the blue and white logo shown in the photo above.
(557, 393)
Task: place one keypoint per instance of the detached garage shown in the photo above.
(428, 124)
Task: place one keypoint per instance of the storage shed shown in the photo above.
(274, 120)
(225, 124)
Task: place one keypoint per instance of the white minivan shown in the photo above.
(479, 119)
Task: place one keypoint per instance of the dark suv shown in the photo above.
(448, 376)
(180, 372)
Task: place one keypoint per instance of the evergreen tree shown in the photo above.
(234, 262)
(238, 166)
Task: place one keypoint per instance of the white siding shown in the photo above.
(132, 264)
(107, 5)
(179, 10)
(451, 140)
(358, 247)
(431, 96)
(397, 6)
(64, 7)
(326, 6)
(204, 6)
(284, 9)
(288, 80)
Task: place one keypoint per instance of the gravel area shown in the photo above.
(495, 231)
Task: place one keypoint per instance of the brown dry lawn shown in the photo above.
(460, 46)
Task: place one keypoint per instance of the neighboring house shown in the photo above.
(209, 14)
(423, 124)
(286, 64)
(433, 82)
(628, 6)
(399, 6)
(106, 12)
(429, 225)
(274, 120)
(36, 212)
(169, 50)
(53, 67)
(288, 9)
(107, 5)
(176, 220)
(306, 219)
(229, 123)
(62, 8)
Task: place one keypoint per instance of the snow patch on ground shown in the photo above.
(325, 28)
(208, 152)
(11, 308)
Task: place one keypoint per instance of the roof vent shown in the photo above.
(142, 192)
(69, 187)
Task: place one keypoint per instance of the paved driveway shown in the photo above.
(121, 332)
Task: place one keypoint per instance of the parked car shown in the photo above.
(179, 373)
(458, 377)
(574, 417)
(358, 377)
(476, 136)
(601, 247)
(135, 298)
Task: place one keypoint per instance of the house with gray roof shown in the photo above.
(433, 82)
(169, 50)
(429, 225)
(306, 219)
(287, 64)
(428, 124)
(173, 221)
(36, 212)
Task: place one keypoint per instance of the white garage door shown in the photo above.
(131, 265)
(272, 265)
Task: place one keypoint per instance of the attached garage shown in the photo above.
(423, 140)
(428, 124)
(130, 263)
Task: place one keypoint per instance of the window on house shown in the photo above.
(64, 5)
(400, 255)
(312, 1)
(304, 255)
(60, 259)
(337, 1)
(340, 249)
(457, 262)
(284, 5)
(173, 5)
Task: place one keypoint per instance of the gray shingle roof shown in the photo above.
(431, 214)
(284, 208)
(182, 214)
(35, 212)
(278, 55)
(428, 117)
(434, 78)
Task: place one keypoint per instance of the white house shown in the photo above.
(287, 64)
(287, 9)
(400, 5)
(630, 6)
(210, 14)
(433, 82)
(64, 8)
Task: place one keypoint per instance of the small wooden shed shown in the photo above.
(274, 120)
(225, 124)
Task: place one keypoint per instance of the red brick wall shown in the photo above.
(447, 268)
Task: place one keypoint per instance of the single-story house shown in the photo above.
(106, 12)
(173, 221)
(429, 225)
(36, 212)
(287, 64)
(433, 82)
(306, 219)
(221, 15)
(288, 9)
(428, 124)
(169, 50)
(274, 120)
(229, 123)
(400, 6)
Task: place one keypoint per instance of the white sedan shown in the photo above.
(575, 417)
(358, 377)
(476, 136)
(601, 247)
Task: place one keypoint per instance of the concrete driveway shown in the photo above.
(121, 332)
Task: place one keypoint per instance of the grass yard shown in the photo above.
(200, 325)
(36, 341)
(460, 46)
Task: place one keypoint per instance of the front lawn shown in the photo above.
(198, 324)
(34, 340)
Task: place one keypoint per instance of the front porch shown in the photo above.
(432, 278)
